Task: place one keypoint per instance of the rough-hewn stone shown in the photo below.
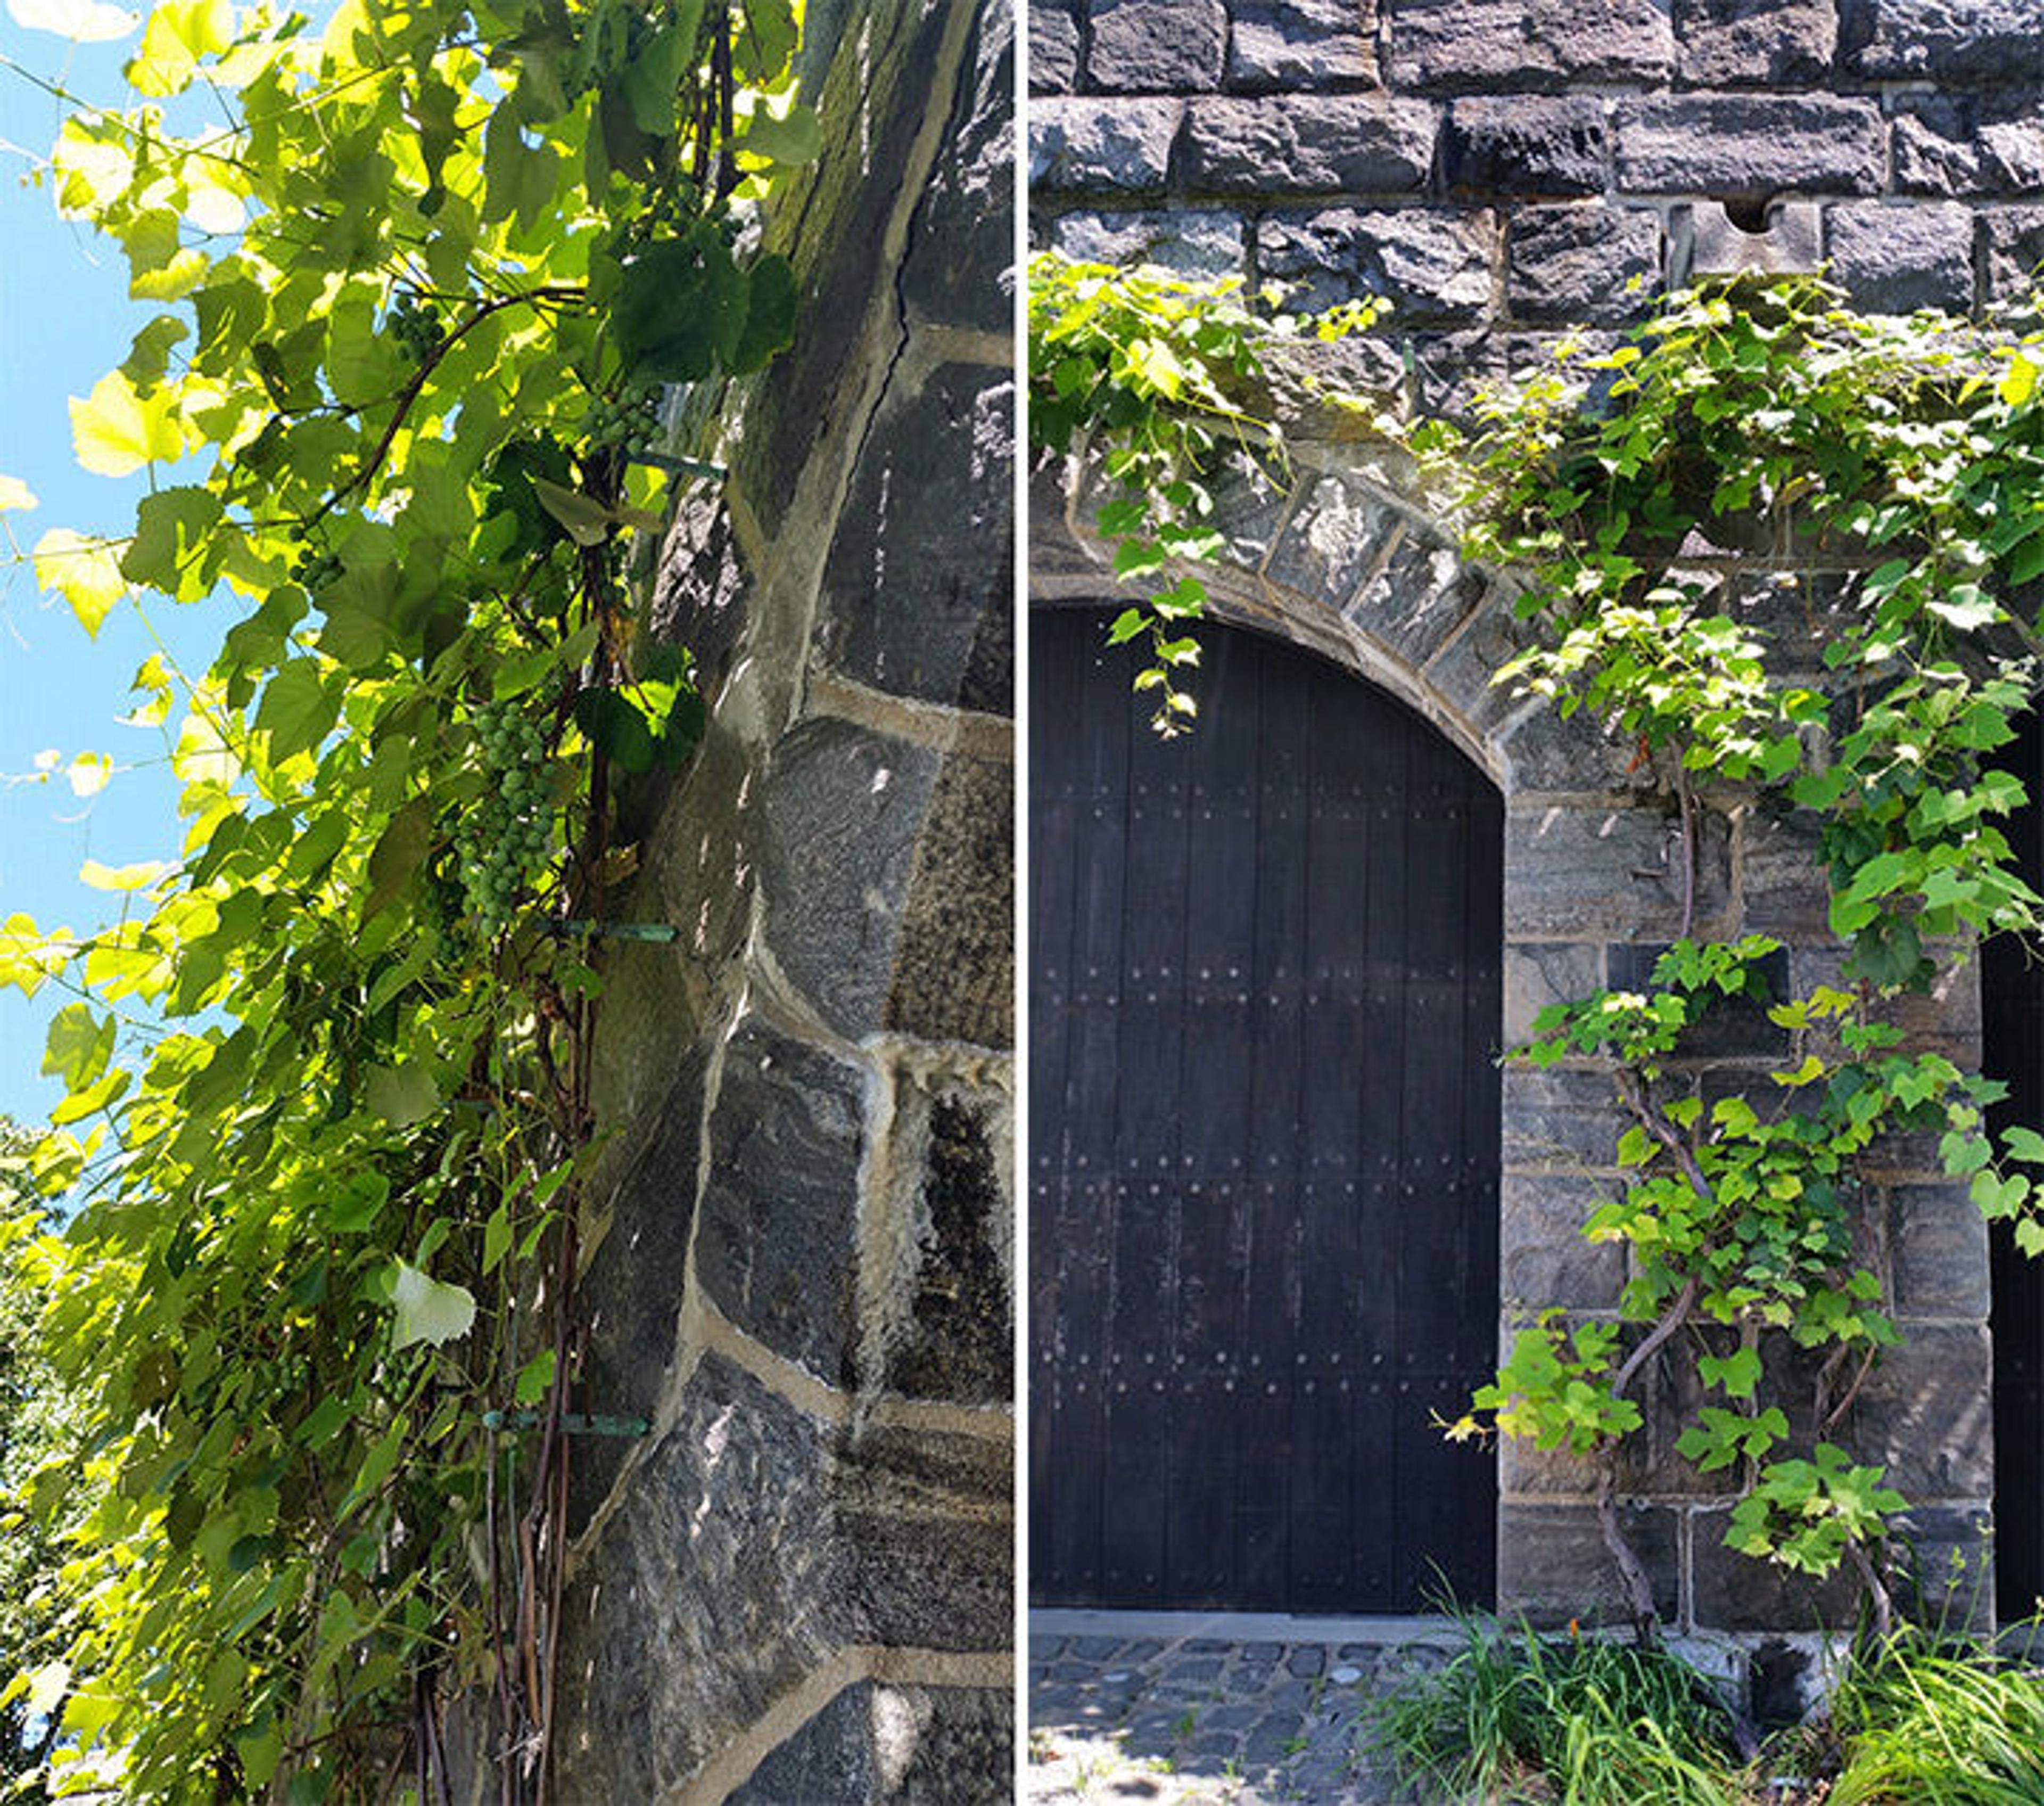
(1307, 145)
(960, 262)
(1552, 1564)
(1556, 1117)
(1985, 41)
(1474, 46)
(1750, 146)
(1732, 1592)
(1937, 1240)
(1092, 145)
(1157, 46)
(1754, 43)
(1200, 242)
(1539, 975)
(2013, 242)
(1054, 48)
(1581, 264)
(1314, 44)
(1897, 260)
(1430, 264)
(1331, 537)
(1418, 592)
(1703, 240)
(1928, 1407)
(1952, 144)
(1524, 144)
(1545, 1259)
(915, 598)
(1569, 869)
(954, 970)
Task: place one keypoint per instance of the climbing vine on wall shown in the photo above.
(419, 282)
(1906, 459)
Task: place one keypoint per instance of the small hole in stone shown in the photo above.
(1747, 215)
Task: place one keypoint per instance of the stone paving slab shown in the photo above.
(1190, 1709)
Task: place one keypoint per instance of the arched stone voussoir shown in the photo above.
(1347, 556)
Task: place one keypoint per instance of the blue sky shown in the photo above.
(65, 320)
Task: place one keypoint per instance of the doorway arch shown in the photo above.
(1265, 995)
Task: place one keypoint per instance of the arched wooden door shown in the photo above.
(1265, 1000)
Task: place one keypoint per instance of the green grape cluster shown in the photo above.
(504, 837)
(415, 324)
(315, 569)
(629, 418)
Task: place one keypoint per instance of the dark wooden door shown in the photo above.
(2012, 998)
(1264, 989)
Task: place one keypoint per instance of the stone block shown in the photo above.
(1937, 1239)
(959, 265)
(1731, 43)
(916, 593)
(1088, 145)
(1971, 145)
(954, 970)
(1704, 241)
(1548, 751)
(700, 592)
(1553, 1565)
(1462, 671)
(1247, 505)
(1311, 44)
(1927, 1413)
(777, 1248)
(1973, 42)
(1944, 1019)
(1589, 262)
(1486, 46)
(1896, 259)
(1944, 1573)
(1557, 1117)
(1331, 540)
(830, 1758)
(1537, 976)
(2013, 242)
(928, 1532)
(1524, 144)
(1054, 48)
(1544, 1259)
(1307, 145)
(1732, 1592)
(1156, 46)
(939, 1318)
(842, 812)
(1410, 604)
(1733, 1027)
(1431, 265)
(1787, 891)
(725, 1525)
(1750, 147)
(1573, 870)
(1202, 242)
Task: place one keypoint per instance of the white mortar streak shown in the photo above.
(942, 729)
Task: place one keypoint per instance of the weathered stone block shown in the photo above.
(1553, 1565)
(1315, 44)
(1938, 1241)
(1537, 976)
(1413, 601)
(700, 595)
(1897, 260)
(724, 1526)
(777, 1246)
(831, 1758)
(1463, 670)
(1089, 145)
(1429, 264)
(1732, 1592)
(1574, 870)
(1727, 44)
(954, 971)
(1590, 263)
(1206, 242)
(1054, 48)
(1954, 144)
(842, 812)
(1157, 46)
(915, 598)
(1547, 751)
(1927, 1413)
(1944, 1571)
(2013, 241)
(1476, 46)
(1944, 1019)
(959, 265)
(1558, 1117)
(1786, 889)
(1545, 1260)
(1732, 1028)
(1247, 505)
(1704, 241)
(928, 1535)
(1524, 144)
(1307, 145)
(1333, 535)
(1749, 146)
(1973, 42)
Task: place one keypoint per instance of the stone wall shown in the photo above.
(798, 1586)
(1503, 172)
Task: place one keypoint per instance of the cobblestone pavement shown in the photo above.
(1187, 1709)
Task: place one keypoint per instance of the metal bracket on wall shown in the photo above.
(654, 931)
(683, 467)
(572, 1423)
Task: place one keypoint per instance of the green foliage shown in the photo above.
(414, 299)
(1154, 374)
(1804, 1514)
